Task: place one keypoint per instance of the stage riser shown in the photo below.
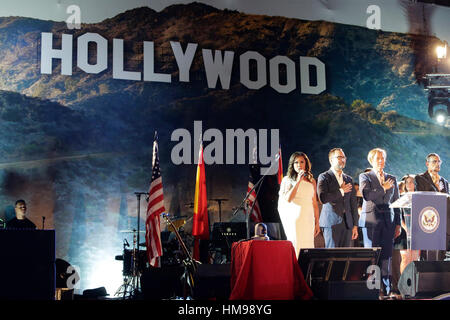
(344, 290)
(212, 281)
(162, 283)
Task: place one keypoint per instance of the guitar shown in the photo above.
(189, 263)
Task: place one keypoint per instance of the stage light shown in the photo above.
(105, 272)
(441, 116)
(441, 52)
(439, 103)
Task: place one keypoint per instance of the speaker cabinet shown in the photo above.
(339, 273)
(425, 279)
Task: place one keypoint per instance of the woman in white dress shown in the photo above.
(297, 203)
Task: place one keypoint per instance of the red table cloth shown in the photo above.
(266, 270)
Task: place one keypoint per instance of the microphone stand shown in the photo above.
(138, 195)
(247, 220)
(219, 201)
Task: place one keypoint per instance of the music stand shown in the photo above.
(219, 201)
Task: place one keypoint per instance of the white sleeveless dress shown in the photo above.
(297, 216)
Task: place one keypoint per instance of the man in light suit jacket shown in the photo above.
(339, 216)
(431, 181)
(380, 224)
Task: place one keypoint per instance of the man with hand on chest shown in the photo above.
(431, 181)
(339, 216)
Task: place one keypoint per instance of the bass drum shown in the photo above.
(128, 263)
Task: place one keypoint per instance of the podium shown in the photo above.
(428, 222)
(428, 219)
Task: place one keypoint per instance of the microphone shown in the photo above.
(301, 174)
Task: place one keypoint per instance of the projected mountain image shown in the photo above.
(77, 147)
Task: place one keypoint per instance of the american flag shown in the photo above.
(256, 212)
(154, 210)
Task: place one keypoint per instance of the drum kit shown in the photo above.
(131, 267)
(173, 241)
(135, 260)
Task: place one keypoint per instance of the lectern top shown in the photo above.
(405, 201)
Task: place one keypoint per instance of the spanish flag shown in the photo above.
(200, 227)
(280, 167)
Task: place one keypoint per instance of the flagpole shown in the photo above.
(200, 225)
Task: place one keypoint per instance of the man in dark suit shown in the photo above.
(339, 216)
(431, 181)
(380, 224)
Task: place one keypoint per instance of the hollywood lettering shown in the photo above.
(218, 65)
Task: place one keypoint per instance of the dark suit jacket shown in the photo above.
(375, 209)
(335, 206)
(425, 183)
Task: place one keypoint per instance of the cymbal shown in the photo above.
(177, 223)
(174, 218)
(131, 231)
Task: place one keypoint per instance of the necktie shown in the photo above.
(381, 177)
